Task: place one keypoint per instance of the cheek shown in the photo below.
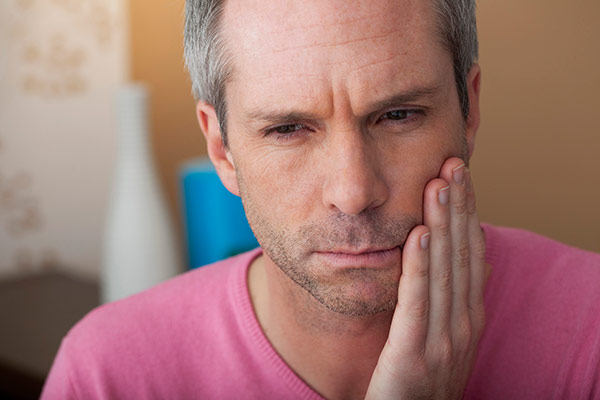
(406, 178)
(409, 165)
(280, 186)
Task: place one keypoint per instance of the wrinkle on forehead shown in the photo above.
(297, 16)
(329, 54)
(313, 27)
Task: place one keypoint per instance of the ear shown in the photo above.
(473, 86)
(218, 154)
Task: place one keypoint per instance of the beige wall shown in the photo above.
(60, 64)
(535, 164)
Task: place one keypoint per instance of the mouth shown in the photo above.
(367, 258)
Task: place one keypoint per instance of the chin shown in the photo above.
(361, 293)
(358, 306)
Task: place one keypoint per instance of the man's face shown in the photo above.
(339, 113)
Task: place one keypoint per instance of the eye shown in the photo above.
(287, 131)
(398, 115)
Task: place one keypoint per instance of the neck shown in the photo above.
(334, 353)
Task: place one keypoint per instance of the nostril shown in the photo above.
(354, 192)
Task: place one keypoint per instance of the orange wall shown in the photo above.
(536, 161)
(157, 59)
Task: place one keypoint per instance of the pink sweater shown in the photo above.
(196, 336)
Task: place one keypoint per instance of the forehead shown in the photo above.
(303, 49)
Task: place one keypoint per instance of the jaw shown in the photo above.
(296, 307)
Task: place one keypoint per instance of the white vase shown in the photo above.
(139, 246)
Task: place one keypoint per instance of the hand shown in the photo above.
(439, 316)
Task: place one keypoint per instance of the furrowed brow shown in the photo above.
(280, 117)
(283, 117)
(413, 95)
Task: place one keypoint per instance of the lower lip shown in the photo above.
(373, 259)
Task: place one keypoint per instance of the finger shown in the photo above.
(461, 331)
(459, 232)
(410, 320)
(437, 219)
(479, 268)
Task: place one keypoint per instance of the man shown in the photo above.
(346, 128)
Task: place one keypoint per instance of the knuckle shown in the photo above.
(445, 351)
(471, 207)
(419, 311)
(464, 331)
(479, 250)
(460, 207)
(444, 278)
(462, 254)
(443, 229)
(420, 272)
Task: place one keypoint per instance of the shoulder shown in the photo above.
(524, 247)
(539, 284)
(170, 301)
(542, 302)
(137, 344)
(532, 266)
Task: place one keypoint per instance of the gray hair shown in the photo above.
(457, 26)
(205, 57)
(209, 66)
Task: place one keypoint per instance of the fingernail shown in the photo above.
(425, 240)
(443, 195)
(458, 174)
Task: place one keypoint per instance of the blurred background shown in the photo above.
(536, 164)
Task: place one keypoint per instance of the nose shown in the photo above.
(353, 181)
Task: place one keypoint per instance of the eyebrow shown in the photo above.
(394, 100)
(280, 116)
(410, 96)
